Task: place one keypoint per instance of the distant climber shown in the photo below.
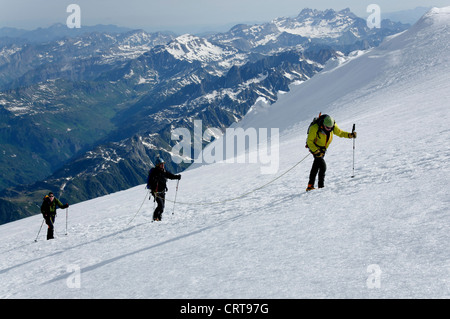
(320, 135)
(48, 210)
(157, 184)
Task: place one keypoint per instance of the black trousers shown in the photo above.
(160, 201)
(319, 167)
(50, 221)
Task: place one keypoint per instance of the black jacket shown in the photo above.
(157, 179)
(48, 207)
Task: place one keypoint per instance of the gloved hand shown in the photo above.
(352, 135)
(178, 176)
(65, 205)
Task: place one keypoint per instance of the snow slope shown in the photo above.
(382, 234)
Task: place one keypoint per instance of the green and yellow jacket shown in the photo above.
(319, 138)
(48, 207)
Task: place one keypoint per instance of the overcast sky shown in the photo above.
(182, 15)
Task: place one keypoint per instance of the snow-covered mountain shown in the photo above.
(329, 27)
(382, 234)
(139, 99)
(313, 23)
(120, 95)
(192, 48)
(83, 57)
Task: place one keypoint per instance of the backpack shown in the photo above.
(151, 180)
(317, 120)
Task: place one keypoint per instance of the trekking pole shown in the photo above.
(176, 192)
(67, 213)
(353, 131)
(39, 230)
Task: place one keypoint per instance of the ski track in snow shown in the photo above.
(278, 242)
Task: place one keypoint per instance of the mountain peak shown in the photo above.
(438, 14)
(193, 48)
(347, 12)
(315, 23)
(307, 12)
(325, 14)
(434, 17)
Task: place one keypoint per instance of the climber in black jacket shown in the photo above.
(157, 184)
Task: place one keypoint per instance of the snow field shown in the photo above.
(279, 241)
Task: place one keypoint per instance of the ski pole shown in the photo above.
(176, 192)
(39, 230)
(67, 213)
(353, 131)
